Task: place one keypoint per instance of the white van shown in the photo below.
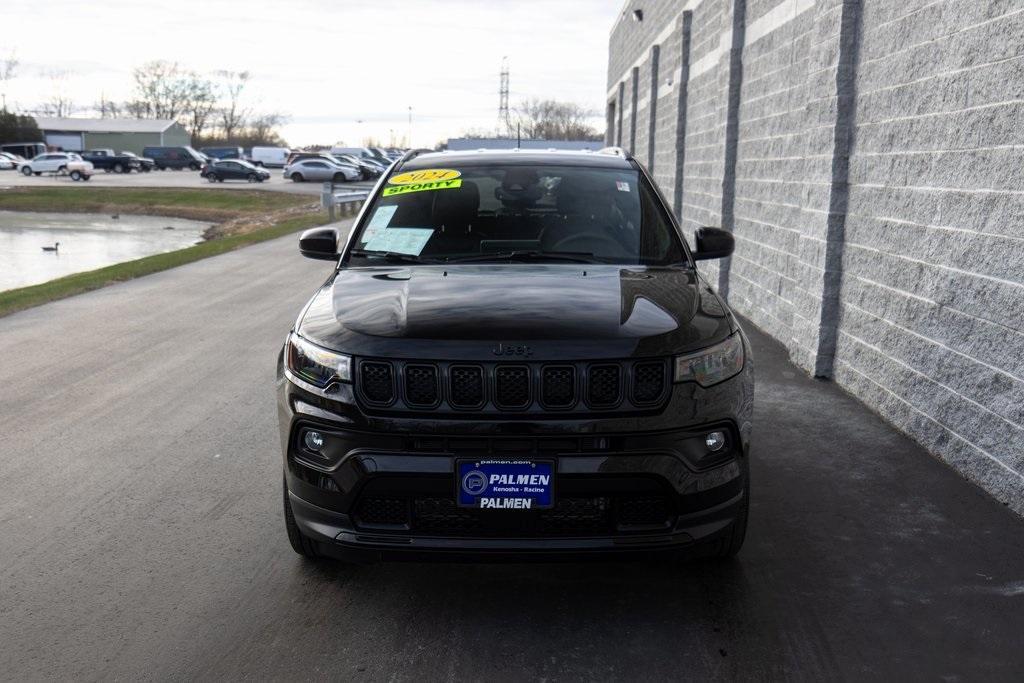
(269, 156)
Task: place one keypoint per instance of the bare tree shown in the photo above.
(108, 109)
(553, 120)
(232, 113)
(263, 127)
(161, 90)
(59, 104)
(8, 70)
(200, 100)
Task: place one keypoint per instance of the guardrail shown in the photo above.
(344, 202)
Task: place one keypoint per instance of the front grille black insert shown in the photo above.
(558, 386)
(421, 386)
(383, 512)
(512, 386)
(604, 386)
(377, 381)
(648, 382)
(466, 388)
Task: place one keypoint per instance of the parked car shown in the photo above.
(109, 161)
(145, 163)
(58, 163)
(176, 158)
(219, 170)
(26, 150)
(223, 152)
(274, 157)
(515, 356)
(357, 152)
(8, 162)
(320, 170)
(368, 168)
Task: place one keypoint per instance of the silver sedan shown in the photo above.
(320, 170)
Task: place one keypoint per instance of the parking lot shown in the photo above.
(172, 179)
(143, 536)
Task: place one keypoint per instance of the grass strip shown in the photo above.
(25, 297)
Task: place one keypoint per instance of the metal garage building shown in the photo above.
(119, 134)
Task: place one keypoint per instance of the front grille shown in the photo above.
(493, 388)
(570, 516)
(421, 387)
(558, 386)
(604, 386)
(512, 386)
(377, 382)
(466, 386)
(648, 382)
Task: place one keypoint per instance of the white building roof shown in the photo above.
(73, 125)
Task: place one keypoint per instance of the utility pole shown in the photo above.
(503, 120)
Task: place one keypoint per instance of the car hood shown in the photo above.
(474, 312)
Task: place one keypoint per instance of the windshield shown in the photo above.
(511, 212)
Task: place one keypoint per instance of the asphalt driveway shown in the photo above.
(141, 533)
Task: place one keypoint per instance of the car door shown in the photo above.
(229, 170)
(318, 170)
(45, 163)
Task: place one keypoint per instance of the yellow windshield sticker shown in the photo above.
(420, 187)
(427, 174)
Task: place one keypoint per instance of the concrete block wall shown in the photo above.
(868, 156)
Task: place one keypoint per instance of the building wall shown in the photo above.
(121, 142)
(177, 136)
(867, 156)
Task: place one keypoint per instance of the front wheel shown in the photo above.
(118, 168)
(25, 170)
(76, 175)
(301, 544)
(339, 177)
(145, 169)
(62, 170)
(252, 178)
(212, 178)
(296, 177)
(193, 167)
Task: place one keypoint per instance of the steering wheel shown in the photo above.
(586, 241)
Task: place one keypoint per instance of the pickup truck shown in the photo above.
(108, 160)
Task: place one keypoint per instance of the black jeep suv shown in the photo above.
(515, 357)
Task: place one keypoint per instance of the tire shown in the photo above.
(193, 167)
(118, 168)
(339, 178)
(259, 163)
(211, 177)
(86, 177)
(300, 543)
(26, 171)
(62, 169)
(253, 178)
(76, 175)
(145, 169)
(37, 173)
(297, 177)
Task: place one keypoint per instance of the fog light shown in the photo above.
(314, 441)
(715, 441)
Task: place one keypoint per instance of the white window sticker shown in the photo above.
(622, 186)
(379, 221)
(400, 240)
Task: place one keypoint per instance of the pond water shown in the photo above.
(87, 241)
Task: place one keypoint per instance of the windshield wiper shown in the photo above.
(530, 254)
(395, 256)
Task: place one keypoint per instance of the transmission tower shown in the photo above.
(503, 118)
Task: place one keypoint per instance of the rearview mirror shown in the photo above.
(713, 243)
(319, 243)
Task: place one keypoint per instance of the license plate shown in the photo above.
(505, 484)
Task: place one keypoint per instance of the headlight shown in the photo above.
(316, 365)
(712, 365)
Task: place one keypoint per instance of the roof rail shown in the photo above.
(412, 154)
(616, 151)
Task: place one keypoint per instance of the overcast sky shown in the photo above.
(327, 64)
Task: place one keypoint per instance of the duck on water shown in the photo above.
(55, 247)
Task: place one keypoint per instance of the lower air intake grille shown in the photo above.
(377, 382)
(512, 386)
(648, 381)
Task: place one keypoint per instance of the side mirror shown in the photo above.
(319, 243)
(713, 243)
